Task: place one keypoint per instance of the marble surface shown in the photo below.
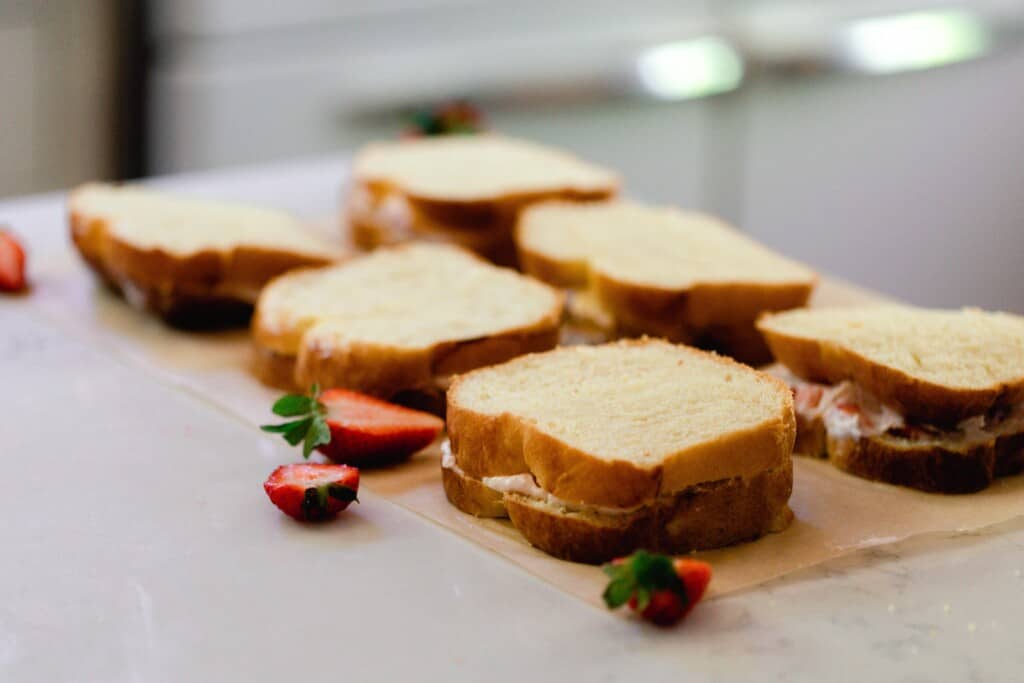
(138, 546)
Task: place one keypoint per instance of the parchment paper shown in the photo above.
(836, 513)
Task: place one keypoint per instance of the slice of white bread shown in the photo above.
(642, 443)
(463, 189)
(933, 366)
(399, 319)
(660, 271)
(188, 260)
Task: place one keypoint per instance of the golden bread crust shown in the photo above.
(926, 466)
(703, 517)
(471, 496)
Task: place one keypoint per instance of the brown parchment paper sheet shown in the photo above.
(836, 514)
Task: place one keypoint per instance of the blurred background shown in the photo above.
(881, 141)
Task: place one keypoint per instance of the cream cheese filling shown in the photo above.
(525, 485)
(850, 412)
(392, 212)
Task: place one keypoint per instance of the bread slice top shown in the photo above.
(477, 168)
(938, 366)
(408, 297)
(648, 246)
(182, 227)
(622, 423)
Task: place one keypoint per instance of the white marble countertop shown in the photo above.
(138, 546)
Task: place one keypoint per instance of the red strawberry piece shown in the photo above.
(353, 428)
(661, 589)
(665, 608)
(369, 431)
(312, 492)
(696, 576)
(12, 263)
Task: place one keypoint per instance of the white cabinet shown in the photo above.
(910, 184)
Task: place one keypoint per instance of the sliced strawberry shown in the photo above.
(368, 431)
(311, 492)
(353, 428)
(12, 263)
(661, 589)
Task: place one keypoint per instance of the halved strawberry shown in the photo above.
(662, 589)
(353, 428)
(12, 263)
(311, 492)
(368, 431)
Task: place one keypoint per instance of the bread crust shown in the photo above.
(202, 289)
(917, 399)
(385, 371)
(702, 517)
(273, 368)
(471, 496)
(926, 466)
(499, 445)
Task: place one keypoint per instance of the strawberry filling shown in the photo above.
(849, 411)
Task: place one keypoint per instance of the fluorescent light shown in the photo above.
(918, 40)
(690, 68)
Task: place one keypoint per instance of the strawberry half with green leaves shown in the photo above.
(662, 589)
(12, 263)
(353, 428)
(312, 492)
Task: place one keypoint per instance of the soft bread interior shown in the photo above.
(408, 297)
(475, 168)
(620, 423)
(651, 246)
(180, 226)
(938, 365)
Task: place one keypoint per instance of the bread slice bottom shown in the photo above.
(701, 517)
(203, 291)
(934, 465)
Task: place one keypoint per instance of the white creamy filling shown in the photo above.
(585, 305)
(392, 213)
(525, 485)
(851, 412)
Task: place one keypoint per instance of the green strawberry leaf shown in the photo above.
(292, 405)
(622, 585)
(276, 429)
(342, 493)
(297, 431)
(311, 429)
(643, 598)
(618, 592)
(639, 576)
(293, 432)
(317, 434)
